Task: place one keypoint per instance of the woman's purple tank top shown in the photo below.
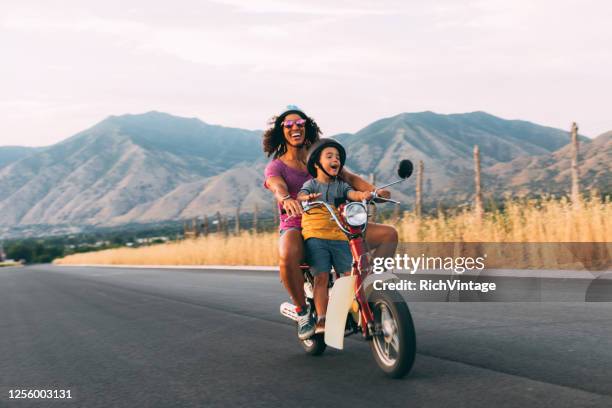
(295, 179)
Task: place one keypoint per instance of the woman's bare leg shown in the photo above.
(382, 239)
(291, 253)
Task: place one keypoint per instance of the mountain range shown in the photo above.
(10, 154)
(153, 167)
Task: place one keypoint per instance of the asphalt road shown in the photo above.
(166, 338)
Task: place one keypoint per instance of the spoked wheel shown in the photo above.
(314, 345)
(394, 340)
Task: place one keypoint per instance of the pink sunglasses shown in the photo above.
(299, 122)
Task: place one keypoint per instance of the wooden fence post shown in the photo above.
(205, 225)
(575, 193)
(194, 227)
(372, 206)
(219, 221)
(238, 221)
(397, 214)
(418, 206)
(225, 225)
(478, 196)
(255, 211)
(190, 229)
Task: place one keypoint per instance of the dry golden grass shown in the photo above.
(244, 249)
(545, 220)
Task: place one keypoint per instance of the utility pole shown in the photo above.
(575, 194)
(478, 196)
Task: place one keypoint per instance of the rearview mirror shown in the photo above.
(405, 169)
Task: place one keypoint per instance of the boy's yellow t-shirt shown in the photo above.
(318, 223)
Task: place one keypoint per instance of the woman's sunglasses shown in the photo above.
(299, 122)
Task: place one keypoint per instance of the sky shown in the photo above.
(66, 65)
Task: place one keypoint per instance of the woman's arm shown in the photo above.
(360, 184)
(358, 195)
(277, 185)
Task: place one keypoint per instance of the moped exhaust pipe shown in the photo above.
(288, 310)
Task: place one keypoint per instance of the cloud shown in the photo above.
(313, 7)
(360, 58)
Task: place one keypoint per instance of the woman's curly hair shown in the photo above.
(274, 142)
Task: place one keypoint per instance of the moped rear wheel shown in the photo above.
(315, 345)
(394, 342)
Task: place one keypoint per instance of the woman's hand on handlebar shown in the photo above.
(292, 207)
(383, 193)
(365, 195)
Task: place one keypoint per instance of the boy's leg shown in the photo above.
(321, 294)
(319, 259)
(342, 259)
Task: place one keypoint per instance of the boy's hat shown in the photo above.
(314, 155)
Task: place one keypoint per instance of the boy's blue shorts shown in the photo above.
(322, 254)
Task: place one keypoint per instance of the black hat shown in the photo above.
(314, 154)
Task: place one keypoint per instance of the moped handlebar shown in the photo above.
(376, 197)
(309, 205)
(404, 171)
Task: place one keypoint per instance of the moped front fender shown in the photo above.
(340, 299)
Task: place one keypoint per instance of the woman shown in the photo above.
(287, 141)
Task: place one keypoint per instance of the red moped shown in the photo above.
(382, 317)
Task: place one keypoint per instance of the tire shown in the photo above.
(395, 351)
(315, 345)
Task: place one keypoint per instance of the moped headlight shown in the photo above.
(355, 214)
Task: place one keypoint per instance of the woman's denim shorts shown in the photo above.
(281, 232)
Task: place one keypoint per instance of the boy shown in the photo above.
(325, 244)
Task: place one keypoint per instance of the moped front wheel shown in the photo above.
(315, 345)
(394, 341)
